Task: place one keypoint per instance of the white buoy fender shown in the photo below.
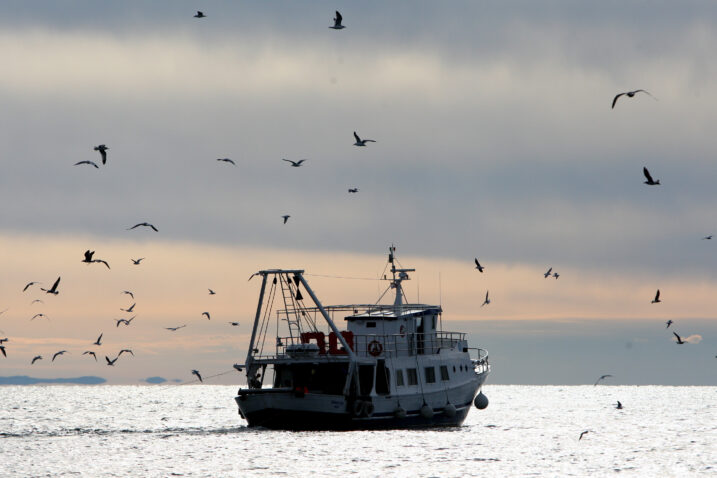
(481, 401)
(426, 411)
(399, 412)
(450, 410)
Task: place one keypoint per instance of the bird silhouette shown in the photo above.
(211, 292)
(125, 351)
(487, 300)
(136, 262)
(128, 293)
(53, 289)
(582, 435)
(111, 362)
(207, 314)
(602, 377)
(361, 142)
(130, 309)
(39, 315)
(226, 160)
(547, 274)
(294, 164)
(29, 284)
(174, 329)
(657, 298)
(337, 22)
(556, 275)
(648, 176)
(61, 352)
(92, 163)
(619, 405)
(103, 152)
(195, 372)
(89, 260)
(2, 350)
(98, 342)
(235, 324)
(286, 218)
(679, 339)
(669, 322)
(35, 359)
(353, 190)
(90, 352)
(145, 224)
(199, 14)
(629, 94)
(478, 266)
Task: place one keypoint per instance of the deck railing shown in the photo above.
(364, 346)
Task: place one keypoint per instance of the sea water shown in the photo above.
(194, 430)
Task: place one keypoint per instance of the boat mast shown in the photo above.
(396, 280)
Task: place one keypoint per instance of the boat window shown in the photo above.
(370, 325)
(399, 378)
(412, 376)
(430, 374)
(444, 372)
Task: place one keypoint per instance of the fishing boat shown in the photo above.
(392, 367)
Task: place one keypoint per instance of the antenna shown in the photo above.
(440, 290)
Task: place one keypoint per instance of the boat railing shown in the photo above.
(480, 363)
(364, 346)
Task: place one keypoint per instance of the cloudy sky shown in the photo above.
(495, 139)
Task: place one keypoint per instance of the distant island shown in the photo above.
(155, 380)
(25, 380)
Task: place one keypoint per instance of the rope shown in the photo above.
(341, 277)
(195, 380)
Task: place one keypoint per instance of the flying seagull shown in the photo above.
(707, 237)
(478, 266)
(207, 314)
(650, 181)
(124, 321)
(679, 339)
(602, 377)
(556, 275)
(35, 359)
(128, 293)
(487, 300)
(90, 352)
(28, 285)
(235, 324)
(582, 435)
(145, 224)
(92, 163)
(361, 142)
(136, 262)
(195, 372)
(669, 322)
(2, 350)
(125, 350)
(226, 160)
(629, 94)
(657, 297)
(353, 190)
(174, 329)
(111, 362)
(99, 340)
(294, 164)
(286, 218)
(103, 152)
(58, 353)
(39, 315)
(89, 260)
(337, 22)
(130, 309)
(211, 292)
(619, 405)
(38, 300)
(547, 274)
(199, 14)
(53, 289)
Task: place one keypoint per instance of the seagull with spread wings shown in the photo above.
(602, 377)
(91, 163)
(90, 352)
(103, 152)
(294, 164)
(487, 300)
(61, 352)
(657, 298)
(648, 177)
(226, 160)
(478, 266)
(337, 22)
(362, 142)
(630, 94)
(53, 289)
(145, 224)
(196, 372)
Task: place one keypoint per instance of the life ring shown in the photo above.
(374, 348)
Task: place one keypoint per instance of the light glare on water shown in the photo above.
(195, 431)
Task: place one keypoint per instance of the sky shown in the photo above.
(494, 139)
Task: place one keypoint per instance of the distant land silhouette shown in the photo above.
(155, 380)
(25, 380)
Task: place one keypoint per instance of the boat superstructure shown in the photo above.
(391, 367)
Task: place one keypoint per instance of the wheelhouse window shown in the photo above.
(399, 378)
(412, 376)
(370, 325)
(430, 374)
(444, 373)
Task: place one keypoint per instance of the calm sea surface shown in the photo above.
(194, 430)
